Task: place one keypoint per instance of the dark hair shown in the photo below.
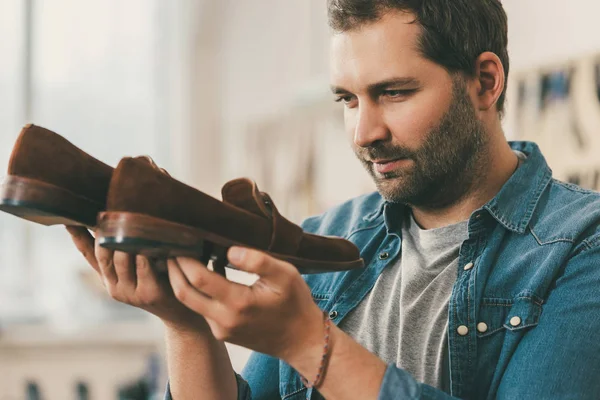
(454, 32)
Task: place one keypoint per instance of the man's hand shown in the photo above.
(275, 316)
(198, 364)
(132, 280)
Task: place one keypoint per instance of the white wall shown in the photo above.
(551, 31)
(270, 50)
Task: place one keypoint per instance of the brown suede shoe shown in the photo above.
(150, 213)
(50, 181)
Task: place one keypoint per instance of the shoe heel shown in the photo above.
(150, 236)
(159, 239)
(46, 204)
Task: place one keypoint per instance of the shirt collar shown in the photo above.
(514, 205)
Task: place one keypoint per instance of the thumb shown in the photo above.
(257, 262)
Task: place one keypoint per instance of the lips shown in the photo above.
(384, 166)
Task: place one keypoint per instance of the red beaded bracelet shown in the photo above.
(323, 364)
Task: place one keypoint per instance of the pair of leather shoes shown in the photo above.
(139, 208)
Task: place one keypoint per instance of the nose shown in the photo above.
(369, 126)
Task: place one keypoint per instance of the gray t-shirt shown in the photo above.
(404, 318)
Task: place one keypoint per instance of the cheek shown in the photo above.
(412, 120)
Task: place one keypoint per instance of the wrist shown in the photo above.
(307, 357)
(187, 330)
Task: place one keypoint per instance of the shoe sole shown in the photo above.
(159, 238)
(46, 204)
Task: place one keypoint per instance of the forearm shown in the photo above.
(352, 373)
(199, 367)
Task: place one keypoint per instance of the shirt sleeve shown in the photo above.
(560, 357)
(399, 384)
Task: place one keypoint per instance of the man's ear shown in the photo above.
(489, 74)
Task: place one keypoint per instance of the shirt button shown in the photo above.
(482, 327)
(384, 256)
(333, 314)
(468, 266)
(462, 330)
(515, 321)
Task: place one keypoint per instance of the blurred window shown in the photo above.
(94, 72)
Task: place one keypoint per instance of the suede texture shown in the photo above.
(43, 155)
(287, 238)
(245, 215)
(138, 186)
(243, 193)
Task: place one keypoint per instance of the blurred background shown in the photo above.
(214, 90)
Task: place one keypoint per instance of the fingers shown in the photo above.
(106, 264)
(126, 271)
(127, 278)
(117, 267)
(146, 277)
(208, 282)
(130, 279)
(148, 288)
(187, 294)
(84, 242)
(257, 262)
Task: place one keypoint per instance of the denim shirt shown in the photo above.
(524, 314)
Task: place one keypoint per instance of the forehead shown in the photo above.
(378, 51)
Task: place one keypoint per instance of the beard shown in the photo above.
(444, 168)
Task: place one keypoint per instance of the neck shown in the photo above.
(500, 166)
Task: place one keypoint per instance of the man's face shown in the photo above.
(413, 125)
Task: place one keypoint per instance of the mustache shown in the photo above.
(384, 152)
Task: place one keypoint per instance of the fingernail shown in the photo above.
(236, 254)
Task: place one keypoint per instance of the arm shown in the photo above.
(363, 374)
(349, 362)
(259, 380)
(198, 363)
(277, 316)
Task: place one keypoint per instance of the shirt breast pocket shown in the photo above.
(501, 325)
(514, 316)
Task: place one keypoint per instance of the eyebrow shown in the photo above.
(379, 86)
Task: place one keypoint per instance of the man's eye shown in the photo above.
(397, 93)
(344, 99)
